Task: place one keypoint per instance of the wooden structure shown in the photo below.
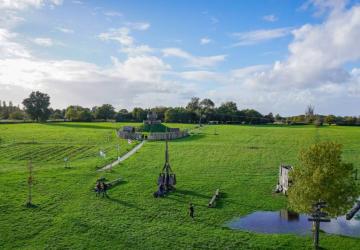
(109, 184)
(30, 185)
(353, 211)
(152, 119)
(212, 202)
(316, 217)
(167, 179)
(284, 181)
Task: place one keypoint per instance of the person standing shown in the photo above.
(191, 211)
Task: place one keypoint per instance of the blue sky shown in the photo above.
(272, 55)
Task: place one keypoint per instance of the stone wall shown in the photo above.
(169, 136)
(128, 135)
(153, 136)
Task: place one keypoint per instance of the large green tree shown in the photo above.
(37, 106)
(106, 111)
(322, 175)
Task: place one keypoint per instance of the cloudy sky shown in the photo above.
(271, 55)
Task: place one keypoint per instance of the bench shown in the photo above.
(212, 202)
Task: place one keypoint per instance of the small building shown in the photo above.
(152, 119)
(284, 180)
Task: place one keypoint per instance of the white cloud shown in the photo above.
(65, 30)
(324, 6)
(257, 36)
(137, 50)
(214, 20)
(44, 41)
(113, 13)
(314, 71)
(24, 4)
(120, 35)
(205, 40)
(194, 61)
(9, 48)
(270, 18)
(138, 25)
(77, 2)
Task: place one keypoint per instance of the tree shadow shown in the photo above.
(192, 137)
(124, 203)
(191, 193)
(79, 125)
(30, 205)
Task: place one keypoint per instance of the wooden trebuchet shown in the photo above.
(114, 182)
(353, 211)
(212, 202)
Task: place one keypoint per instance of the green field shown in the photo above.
(240, 160)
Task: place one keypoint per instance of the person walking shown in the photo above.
(104, 189)
(191, 211)
(98, 188)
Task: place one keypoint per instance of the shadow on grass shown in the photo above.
(79, 125)
(30, 205)
(191, 193)
(192, 137)
(124, 203)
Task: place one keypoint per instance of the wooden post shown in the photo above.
(118, 150)
(317, 217)
(30, 184)
(356, 174)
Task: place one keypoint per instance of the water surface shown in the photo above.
(286, 222)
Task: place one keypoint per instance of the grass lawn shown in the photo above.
(240, 160)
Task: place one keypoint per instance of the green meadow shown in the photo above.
(242, 161)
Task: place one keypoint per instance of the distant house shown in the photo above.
(284, 180)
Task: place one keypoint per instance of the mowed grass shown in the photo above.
(240, 160)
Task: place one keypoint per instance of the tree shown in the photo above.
(123, 115)
(106, 111)
(37, 106)
(178, 114)
(139, 114)
(194, 104)
(78, 113)
(57, 114)
(330, 119)
(323, 176)
(17, 115)
(228, 108)
(206, 108)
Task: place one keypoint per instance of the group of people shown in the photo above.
(101, 188)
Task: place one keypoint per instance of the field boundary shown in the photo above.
(122, 158)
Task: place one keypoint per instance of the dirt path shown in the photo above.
(122, 158)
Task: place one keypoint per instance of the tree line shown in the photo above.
(37, 108)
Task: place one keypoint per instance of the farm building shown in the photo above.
(284, 179)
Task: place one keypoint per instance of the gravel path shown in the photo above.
(123, 158)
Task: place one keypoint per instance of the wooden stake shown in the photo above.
(30, 184)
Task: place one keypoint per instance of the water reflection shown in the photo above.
(287, 222)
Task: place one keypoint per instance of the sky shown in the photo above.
(270, 55)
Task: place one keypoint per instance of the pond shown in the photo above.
(286, 222)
